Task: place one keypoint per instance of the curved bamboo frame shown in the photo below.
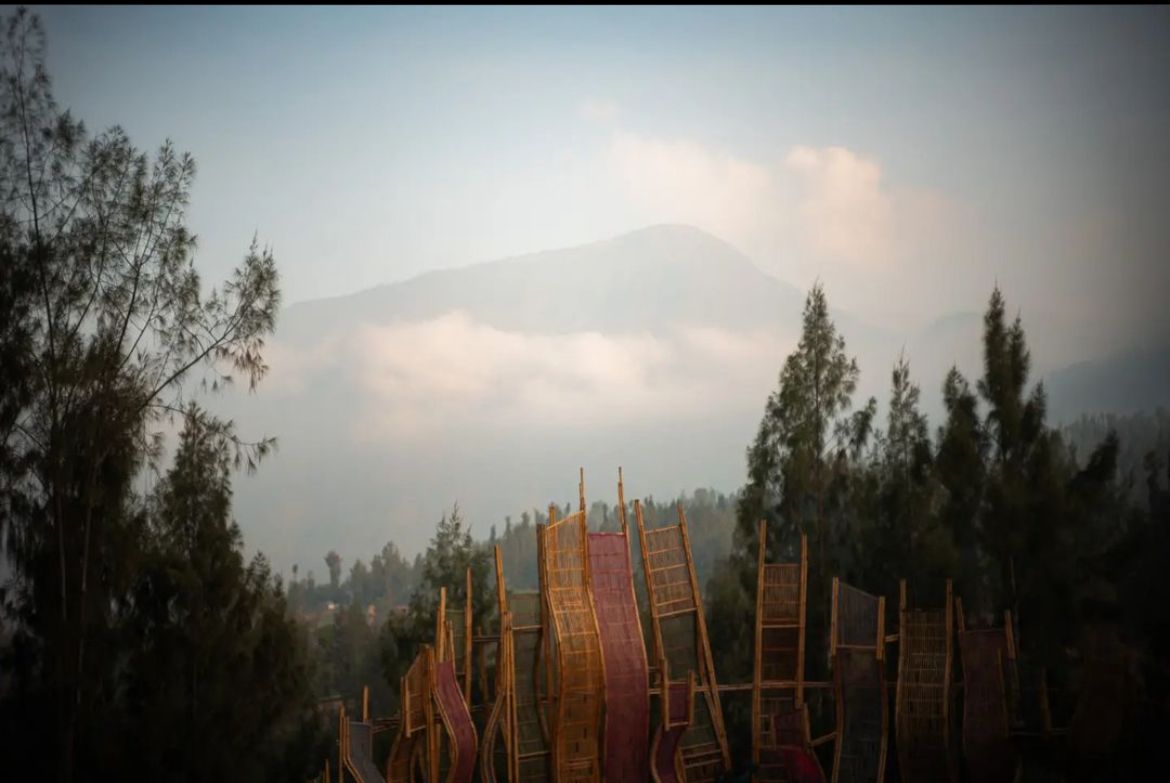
(498, 728)
(626, 728)
(678, 713)
(579, 682)
(517, 700)
(988, 656)
(922, 712)
(857, 649)
(414, 731)
(778, 671)
(676, 612)
(449, 699)
(355, 744)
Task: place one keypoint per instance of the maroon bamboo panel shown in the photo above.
(627, 694)
(986, 743)
(669, 738)
(458, 720)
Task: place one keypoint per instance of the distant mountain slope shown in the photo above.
(634, 282)
(489, 385)
(1124, 383)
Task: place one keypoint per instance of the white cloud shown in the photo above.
(816, 212)
(291, 367)
(846, 215)
(452, 374)
(683, 181)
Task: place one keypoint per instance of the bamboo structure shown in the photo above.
(627, 696)
(678, 713)
(451, 708)
(436, 738)
(498, 730)
(680, 638)
(923, 698)
(778, 670)
(988, 656)
(415, 729)
(356, 746)
(577, 687)
(857, 650)
(516, 720)
(457, 628)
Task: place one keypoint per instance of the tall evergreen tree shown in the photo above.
(215, 674)
(114, 326)
(790, 462)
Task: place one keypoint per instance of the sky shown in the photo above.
(908, 158)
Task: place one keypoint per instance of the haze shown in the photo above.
(908, 159)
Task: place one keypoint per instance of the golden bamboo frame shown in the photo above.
(778, 671)
(673, 591)
(838, 647)
(578, 685)
(922, 700)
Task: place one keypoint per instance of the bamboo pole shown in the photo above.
(599, 696)
(622, 507)
(467, 640)
(881, 657)
(758, 662)
(441, 625)
(947, 674)
(433, 739)
(802, 634)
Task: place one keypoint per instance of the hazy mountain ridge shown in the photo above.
(490, 384)
(630, 283)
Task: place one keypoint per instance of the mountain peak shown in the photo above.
(643, 279)
(678, 238)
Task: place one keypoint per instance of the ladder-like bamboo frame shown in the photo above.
(505, 720)
(777, 610)
(579, 684)
(677, 597)
(922, 700)
(877, 649)
(418, 720)
(981, 764)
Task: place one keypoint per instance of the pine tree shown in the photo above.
(789, 464)
(114, 328)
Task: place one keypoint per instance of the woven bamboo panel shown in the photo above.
(461, 741)
(986, 742)
(359, 749)
(857, 617)
(580, 677)
(859, 685)
(922, 719)
(779, 657)
(627, 694)
(680, 637)
(675, 720)
(787, 750)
